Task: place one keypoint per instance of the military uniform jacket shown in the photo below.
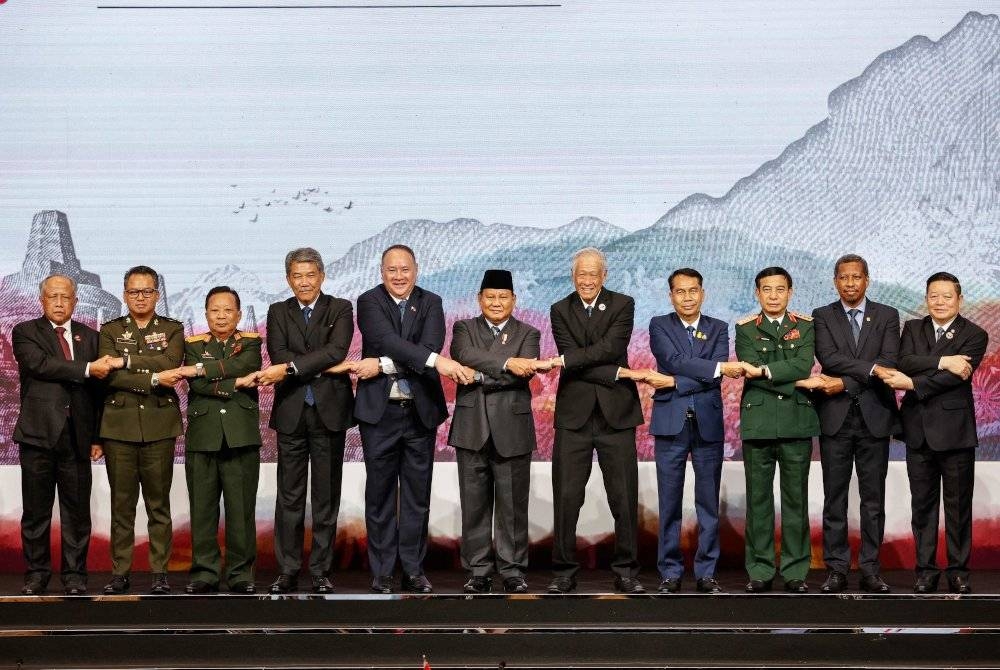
(499, 406)
(218, 413)
(773, 409)
(135, 410)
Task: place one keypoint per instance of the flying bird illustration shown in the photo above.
(232, 186)
(328, 209)
(242, 205)
(350, 203)
(254, 219)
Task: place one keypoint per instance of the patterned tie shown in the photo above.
(496, 332)
(852, 315)
(690, 330)
(403, 385)
(310, 399)
(60, 331)
(590, 310)
(937, 333)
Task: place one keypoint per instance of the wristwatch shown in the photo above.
(154, 381)
(290, 369)
(199, 369)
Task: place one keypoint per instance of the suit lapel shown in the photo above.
(49, 337)
(599, 314)
(867, 319)
(946, 342)
(578, 313)
(295, 315)
(412, 310)
(843, 328)
(678, 333)
(318, 314)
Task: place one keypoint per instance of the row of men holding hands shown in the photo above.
(133, 419)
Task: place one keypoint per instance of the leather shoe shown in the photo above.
(417, 584)
(198, 587)
(562, 585)
(119, 584)
(835, 582)
(284, 584)
(926, 584)
(247, 588)
(515, 585)
(796, 586)
(34, 585)
(874, 584)
(670, 585)
(75, 586)
(478, 585)
(759, 585)
(628, 585)
(708, 585)
(160, 586)
(382, 585)
(959, 585)
(321, 584)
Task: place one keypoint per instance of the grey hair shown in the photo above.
(590, 251)
(41, 284)
(303, 255)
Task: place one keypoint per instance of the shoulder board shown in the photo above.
(799, 315)
(250, 335)
(747, 319)
(120, 318)
(204, 337)
(168, 319)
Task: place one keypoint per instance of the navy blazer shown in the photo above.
(409, 345)
(693, 370)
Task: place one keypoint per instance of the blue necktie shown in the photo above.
(852, 314)
(690, 330)
(310, 399)
(496, 332)
(403, 385)
(590, 310)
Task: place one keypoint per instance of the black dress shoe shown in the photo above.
(628, 585)
(75, 587)
(417, 584)
(926, 584)
(284, 584)
(246, 588)
(874, 584)
(562, 585)
(478, 585)
(515, 585)
(959, 585)
(759, 585)
(796, 586)
(198, 587)
(160, 586)
(321, 584)
(119, 584)
(708, 585)
(835, 582)
(670, 585)
(382, 585)
(34, 585)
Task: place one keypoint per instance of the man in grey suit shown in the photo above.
(493, 433)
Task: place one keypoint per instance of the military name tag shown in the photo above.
(207, 355)
(125, 340)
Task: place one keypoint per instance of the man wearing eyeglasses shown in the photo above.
(140, 424)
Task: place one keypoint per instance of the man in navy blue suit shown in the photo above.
(399, 406)
(691, 351)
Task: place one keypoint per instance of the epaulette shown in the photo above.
(804, 317)
(204, 337)
(120, 318)
(252, 336)
(167, 318)
(747, 319)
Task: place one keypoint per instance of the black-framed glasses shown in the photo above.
(144, 292)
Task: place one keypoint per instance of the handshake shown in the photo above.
(957, 364)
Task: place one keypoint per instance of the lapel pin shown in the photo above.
(77, 338)
(412, 308)
(602, 307)
(503, 338)
(950, 334)
(868, 318)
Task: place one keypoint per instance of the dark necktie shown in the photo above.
(776, 324)
(690, 330)
(937, 333)
(310, 399)
(496, 332)
(590, 310)
(852, 315)
(403, 385)
(67, 354)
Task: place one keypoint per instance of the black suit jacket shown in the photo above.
(408, 345)
(836, 351)
(54, 389)
(500, 406)
(313, 348)
(593, 348)
(940, 410)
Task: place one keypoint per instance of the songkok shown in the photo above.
(497, 279)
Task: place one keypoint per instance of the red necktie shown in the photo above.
(63, 343)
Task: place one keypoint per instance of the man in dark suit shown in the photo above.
(222, 445)
(937, 357)
(493, 433)
(856, 338)
(693, 351)
(597, 408)
(307, 335)
(56, 433)
(400, 404)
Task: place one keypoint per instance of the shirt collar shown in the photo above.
(399, 300)
(311, 305)
(693, 324)
(56, 325)
(946, 326)
(862, 306)
(500, 326)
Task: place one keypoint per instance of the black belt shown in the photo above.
(402, 402)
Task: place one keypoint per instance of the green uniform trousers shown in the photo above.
(759, 459)
(132, 466)
(231, 474)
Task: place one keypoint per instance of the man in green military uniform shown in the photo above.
(777, 424)
(222, 445)
(139, 425)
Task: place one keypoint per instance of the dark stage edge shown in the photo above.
(592, 628)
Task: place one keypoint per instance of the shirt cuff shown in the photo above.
(387, 365)
(86, 371)
(767, 372)
(718, 371)
(872, 371)
(431, 360)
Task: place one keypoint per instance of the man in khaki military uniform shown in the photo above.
(222, 445)
(140, 423)
(777, 424)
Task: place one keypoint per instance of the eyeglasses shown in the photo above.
(144, 292)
